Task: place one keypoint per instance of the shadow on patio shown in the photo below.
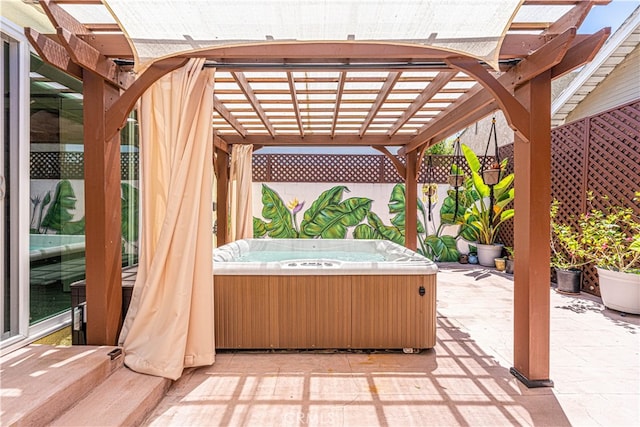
(456, 383)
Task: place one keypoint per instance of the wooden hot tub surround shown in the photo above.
(316, 308)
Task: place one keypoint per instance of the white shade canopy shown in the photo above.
(160, 29)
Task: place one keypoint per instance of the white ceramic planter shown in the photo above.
(620, 291)
(488, 253)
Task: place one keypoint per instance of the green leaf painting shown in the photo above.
(397, 199)
(332, 221)
(328, 198)
(59, 213)
(386, 231)
(259, 227)
(443, 248)
(330, 217)
(365, 231)
(281, 221)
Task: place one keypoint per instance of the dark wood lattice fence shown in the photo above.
(599, 154)
(344, 168)
(70, 165)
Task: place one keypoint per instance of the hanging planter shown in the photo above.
(429, 190)
(456, 180)
(491, 176)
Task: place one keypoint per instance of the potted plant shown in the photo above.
(510, 260)
(567, 253)
(611, 239)
(456, 177)
(487, 211)
(491, 175)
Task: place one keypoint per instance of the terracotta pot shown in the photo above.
(456, 180)
(620, 291)
(491, 176)
(501, 264)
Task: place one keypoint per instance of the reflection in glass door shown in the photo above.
(9, 318)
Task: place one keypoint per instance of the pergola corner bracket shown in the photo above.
(516, 114)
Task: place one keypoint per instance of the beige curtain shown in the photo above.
(169, 325)
(240, 195)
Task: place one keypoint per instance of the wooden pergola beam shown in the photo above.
(222, 190)
(88, 57)
(220, 144)
(244, 85)
(580, 53)
(573, 18)
(228, 116)
(336, 108)
(318, 140)
(102, 182)
(429, 92)
(532, 160)
(53, 53)
(388, 85)
(61, 19)
(109, 44)
(541, 60)
(294, 102)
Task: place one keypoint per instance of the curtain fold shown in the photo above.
(240, 195)
(169, 325)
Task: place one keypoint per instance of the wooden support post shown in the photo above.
(222, 168)
(102, 214)
(531, 237)
(411, 201)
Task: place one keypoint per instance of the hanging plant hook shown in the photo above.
(491, 175)
(456, 177)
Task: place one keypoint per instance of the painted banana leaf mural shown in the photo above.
(333, 221)
(280, 225)
(331, 197)
(59, 216)
(329, 216)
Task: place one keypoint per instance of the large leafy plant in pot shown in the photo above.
(488, 210)
(611, 241)
(567, 253)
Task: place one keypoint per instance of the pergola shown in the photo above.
(408, 87)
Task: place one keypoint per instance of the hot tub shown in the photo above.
(322, 293)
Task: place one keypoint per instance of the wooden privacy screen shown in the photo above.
(342, 168)
(611, 165)
(601, 154)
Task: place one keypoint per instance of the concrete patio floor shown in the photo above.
(464, 380)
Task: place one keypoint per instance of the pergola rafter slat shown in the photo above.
(241, 79)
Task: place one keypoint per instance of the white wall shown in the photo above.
(620, 87)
